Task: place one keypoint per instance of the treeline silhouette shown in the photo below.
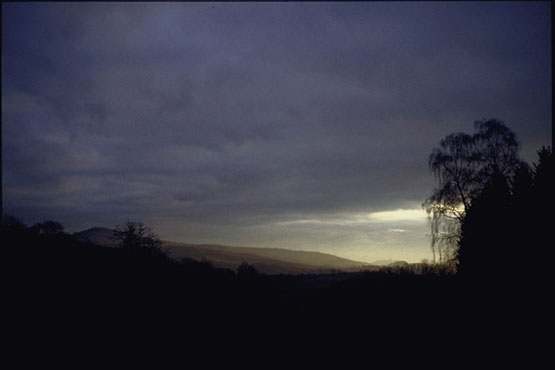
(491, 219)
(489, 210)
(86, 293)
(55, 275)
(508, 226)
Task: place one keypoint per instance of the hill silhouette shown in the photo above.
(265, 260)
(97, 235)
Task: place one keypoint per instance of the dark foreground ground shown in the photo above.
(66, 298)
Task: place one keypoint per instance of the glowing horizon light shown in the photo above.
(399, 215)
(346, 219)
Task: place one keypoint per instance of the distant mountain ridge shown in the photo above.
(266, 260)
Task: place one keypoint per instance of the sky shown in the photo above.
(293, 125)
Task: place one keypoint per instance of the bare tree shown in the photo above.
(136, 236)
(496, 148)
(453, 164)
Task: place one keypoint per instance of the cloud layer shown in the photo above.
(225, 122)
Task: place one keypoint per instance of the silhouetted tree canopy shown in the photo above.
(483, 229)
(246, 270)
(11, 224)
(462, 166)
(496, 149)
(138, 238)
(48, 228)
(508, 222)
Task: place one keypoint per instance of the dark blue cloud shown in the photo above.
(193, 116)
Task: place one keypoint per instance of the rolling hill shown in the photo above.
(266, 260)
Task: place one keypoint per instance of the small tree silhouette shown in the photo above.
(246, 270)
(139, 239)
(48, 228)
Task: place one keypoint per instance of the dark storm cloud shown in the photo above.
(251, 114)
